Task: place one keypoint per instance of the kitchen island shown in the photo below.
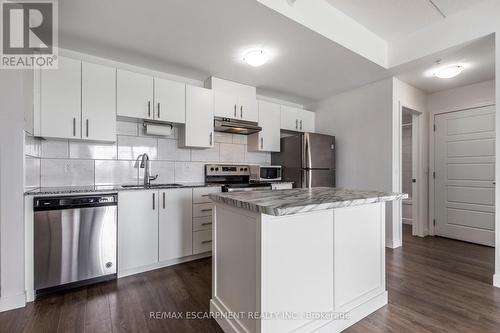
(298, 260)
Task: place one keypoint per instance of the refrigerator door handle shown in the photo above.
(307, 159)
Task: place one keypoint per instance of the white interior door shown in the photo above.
(465, 175)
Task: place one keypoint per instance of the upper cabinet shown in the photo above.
(294, 119)
(98, 102)
(134, 95)
(144, 97)
(199, 129)
(269, 119)
(233, 100)
(78, 101)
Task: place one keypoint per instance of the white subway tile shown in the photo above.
(126, 127)
(165, 171)
(240, 139)
(232, 153)
(257, 158)
(116, 172)
(221, 137)
(93, 150)
(189, 172)
(61, 172)
(32, 145)
(32, 172)
(206, 155)
(168, 150)
(131, 147)
(55, 148)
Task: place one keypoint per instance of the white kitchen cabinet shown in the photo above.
(199, 129)
(175, 224)
(170, 101)
(270, 120)
(134, 95)
(60, 100)
(202, 241)
(137, 229)
(307, 121)
(225, 105)
(294, 119)
(98, 102)
(201, 194)
(248, 109)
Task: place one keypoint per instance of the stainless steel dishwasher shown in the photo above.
(75, 241)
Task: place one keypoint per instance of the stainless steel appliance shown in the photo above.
(235, 126)
(307, 159)
(75, 240)
(232, 178)
(263, 173)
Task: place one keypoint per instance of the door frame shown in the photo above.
(432, 165)
(418, 170)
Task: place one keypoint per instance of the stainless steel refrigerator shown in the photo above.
(307, 159)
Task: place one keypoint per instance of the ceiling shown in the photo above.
(478, 58)
(202, 38)
(394, 19)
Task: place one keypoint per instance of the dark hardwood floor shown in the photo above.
(435, 285)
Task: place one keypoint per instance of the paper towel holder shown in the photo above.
(157, 128)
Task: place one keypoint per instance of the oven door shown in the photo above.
(270, 173)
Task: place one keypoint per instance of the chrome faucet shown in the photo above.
(147, 172)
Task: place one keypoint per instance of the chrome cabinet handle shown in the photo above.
(261, 143)
(87, 125)
(206, 210)
(149, 108)
(74, 126)
(301, 125)
(296, 124)
(241, 111)
(205, 195)
(163, 200)
(208, 223)
(211, 138)
(154, 202)
(158, 109)
(235, 110)
(206, 242)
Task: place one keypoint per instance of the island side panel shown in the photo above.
(359, 240)
(296, 269)
(235, 267)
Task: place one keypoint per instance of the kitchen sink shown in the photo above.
(154, 186)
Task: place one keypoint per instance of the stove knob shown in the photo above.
(241, 169)
(211, 169)
(246, 169)
(216, 169)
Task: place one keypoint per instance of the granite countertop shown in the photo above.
(302, 200)
(105, 189)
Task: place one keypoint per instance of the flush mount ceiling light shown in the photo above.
(256, 57)
(448, 72)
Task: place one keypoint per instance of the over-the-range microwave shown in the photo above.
(265, 173)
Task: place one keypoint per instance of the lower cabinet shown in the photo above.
(175, 224)
(137, 229)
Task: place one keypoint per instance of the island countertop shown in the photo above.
(302, 200)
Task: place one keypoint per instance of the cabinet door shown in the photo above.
(306, 121)
(269, 120)
(170, 101)
(175, 224)
(60, 100)
(137, 229)
(248, 109)
(289, 120)
(98, 102)
(226, 105)
(199, 129)
(134, 95)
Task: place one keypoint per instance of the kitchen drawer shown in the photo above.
(202, 223)
(204, 209)
(202, 241)
(281, 186)
(200, 194)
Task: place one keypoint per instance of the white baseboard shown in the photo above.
(392, 244)
(12, 302)
(496, 280)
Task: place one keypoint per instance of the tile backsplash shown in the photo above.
(51, 162)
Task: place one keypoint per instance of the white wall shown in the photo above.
(15, 98)
(471, 96)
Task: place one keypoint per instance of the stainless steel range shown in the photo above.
(233, 178)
